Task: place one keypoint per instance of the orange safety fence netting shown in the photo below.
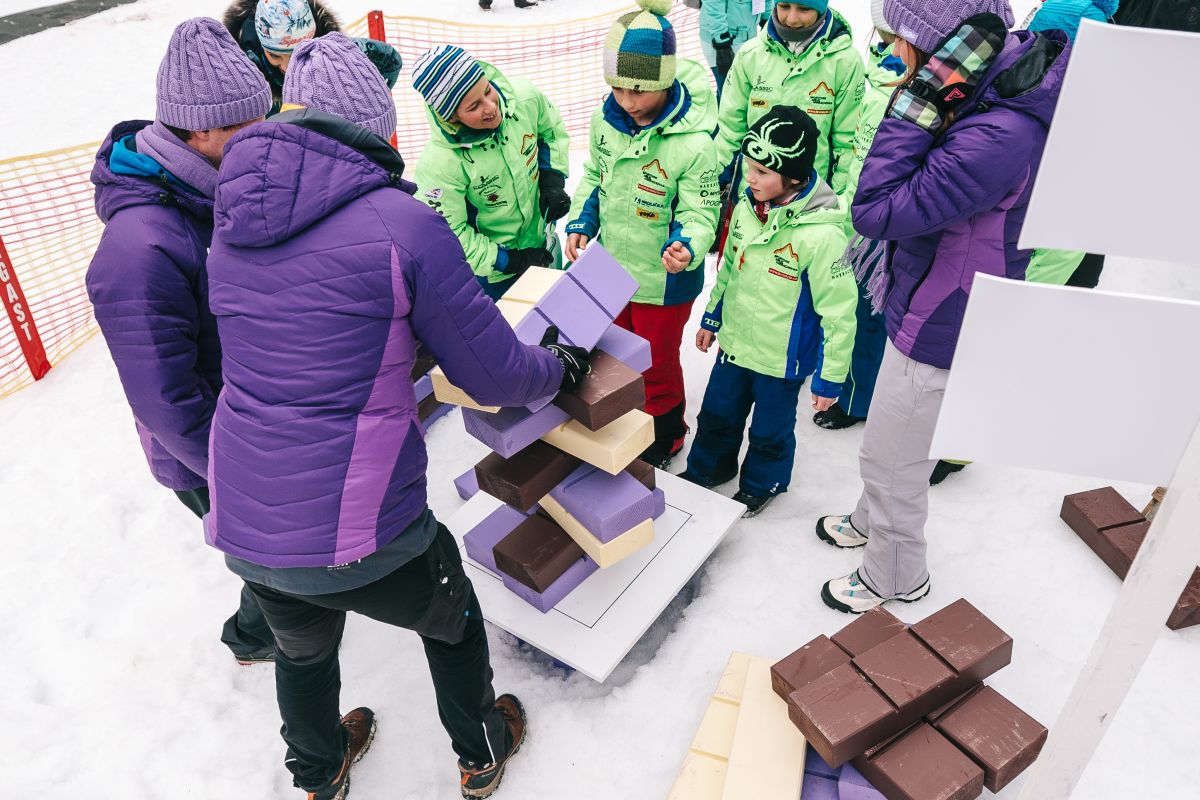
(49, 229)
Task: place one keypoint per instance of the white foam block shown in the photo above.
(603, 553)
(613, 447)
(447, 392)
(766, 759)
(597, 624)
(702, 774)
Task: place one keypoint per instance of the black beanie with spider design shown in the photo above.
(784, 140)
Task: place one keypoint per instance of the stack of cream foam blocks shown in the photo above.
(576, 498)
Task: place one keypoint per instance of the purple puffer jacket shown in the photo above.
(324, 273)
(952, 206)
(149, 292)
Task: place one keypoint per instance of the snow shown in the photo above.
(116, 685)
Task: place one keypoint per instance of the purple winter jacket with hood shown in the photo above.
(953, 205)
(149, 293)
(324, 273)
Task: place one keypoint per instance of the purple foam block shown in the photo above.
(818, 788)
(439, 412)
(604, 280)
(483, 537)
(511, 430)
(606, 505)
(815, 765)
(576, 574)
(467, 484)
(660, 503)
(580, 321)
(424, 386)
(853, 786)
(627, 347)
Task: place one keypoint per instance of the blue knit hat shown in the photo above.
(1065, 15)
(639, 52)
(443, 76)
(332, 75)
(283, 24)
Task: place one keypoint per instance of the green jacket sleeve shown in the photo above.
(442, 186)
(1054, 267)
(585, 206)
(731, 120)
(847, 106)
(835, 298)
(553, 141)
(697, 203)
(712, 318)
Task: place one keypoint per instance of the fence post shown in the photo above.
(21, 318)
(377, 31)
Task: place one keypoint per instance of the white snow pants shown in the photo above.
(895, 467)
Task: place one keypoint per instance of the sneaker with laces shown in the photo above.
(482, 781)
(851, 596)
(839, 532)
(360, 732)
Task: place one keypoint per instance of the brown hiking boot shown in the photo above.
(482, 781)
(360, 728)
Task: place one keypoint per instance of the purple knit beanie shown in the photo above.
(331, 74)
(205, 80)
(925, 23)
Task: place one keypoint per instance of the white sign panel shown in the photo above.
(599, 622)
(1073, 380)
(1121, 167)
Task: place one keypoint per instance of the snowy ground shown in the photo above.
(116, 685)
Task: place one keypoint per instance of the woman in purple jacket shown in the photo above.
(946, 185)
(324, 274)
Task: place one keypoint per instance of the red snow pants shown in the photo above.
(662, 326)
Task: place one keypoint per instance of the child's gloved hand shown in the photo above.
(676, 258)
(553, 200)
(704, 340)
(723, 48)
(576, 244)
(951, 73)
(822, 403)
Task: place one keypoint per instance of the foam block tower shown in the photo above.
(576, 500)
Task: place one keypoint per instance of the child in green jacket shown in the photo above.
(496, 165)
(649, 194)
(783, 305)
(805, 56)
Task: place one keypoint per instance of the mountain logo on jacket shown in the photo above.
(654, 179)
(821, 99)
(787, 261)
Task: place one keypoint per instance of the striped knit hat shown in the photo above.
(205, 80)
(332, 75)
(639, 52)
(443, 76)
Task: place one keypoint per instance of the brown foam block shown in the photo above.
(906, 672)
(526, 477)
(607, 393)
(872, 628)
(841, 713)
(423, 363)
(969, 642)
(1120, 546)
(427, 407)
(536, 553)
(995, 734)
(921, 764)
(643, 472)
(1098, 509)
(806, 665)
(1187, 609)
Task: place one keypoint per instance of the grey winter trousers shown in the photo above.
(895, 467)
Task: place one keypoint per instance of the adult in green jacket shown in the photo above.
(815, 67)
(649, 194)
(726, 25)
(782, 296)
(495, 166)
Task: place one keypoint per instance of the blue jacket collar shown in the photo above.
(679, 100)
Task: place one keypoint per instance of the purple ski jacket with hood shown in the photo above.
(149, 293)
(324, 273)
(952, 205)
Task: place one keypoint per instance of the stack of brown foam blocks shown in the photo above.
(429, 408)
(908, 707)
(1114, 530)
(576, 499)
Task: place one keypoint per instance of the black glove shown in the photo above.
(553, 200)
(724, 49)
(526, 257)
(574, 360)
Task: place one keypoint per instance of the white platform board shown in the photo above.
(594, 627)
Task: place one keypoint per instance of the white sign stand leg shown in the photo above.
(1162, 568)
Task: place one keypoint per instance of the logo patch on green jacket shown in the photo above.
(787, 263)
(529, 148)
(820, 99)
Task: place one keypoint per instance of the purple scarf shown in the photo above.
(177, 158)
